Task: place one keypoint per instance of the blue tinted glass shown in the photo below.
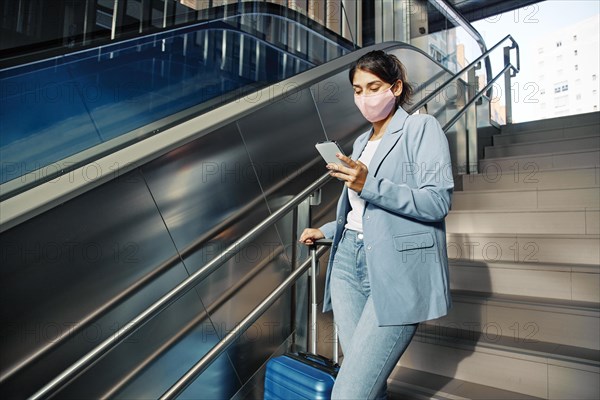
(55, 108)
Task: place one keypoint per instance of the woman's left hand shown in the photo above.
(354, 174)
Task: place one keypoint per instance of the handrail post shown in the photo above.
(507, 86)
(179, 386)
(472, 153)
(300, 308)
(313, 299)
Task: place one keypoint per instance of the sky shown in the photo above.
(527, 24)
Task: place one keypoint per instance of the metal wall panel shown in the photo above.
(343, 121)
(280, 140)
(203, 186)
(148, 363)
(209, 185)
(225, 183)
(255, 345)
(66, 263)
(426, 76)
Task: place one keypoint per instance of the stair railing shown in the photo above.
(456, 17)
(189, 283)
(179, 386)
(185, 286)
(509, 71)
(474, 63)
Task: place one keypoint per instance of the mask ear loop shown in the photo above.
(397, 97)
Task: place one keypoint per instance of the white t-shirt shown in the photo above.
(354, 217)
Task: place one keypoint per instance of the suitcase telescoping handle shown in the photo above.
(313, 295)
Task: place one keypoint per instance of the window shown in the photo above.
(576, 67)
(574, 38)
(561, 101)
(595, 108)
(558, 44)
(437, 55)
(540, 50)
(594, 77)
(575, 52)
(561, 87)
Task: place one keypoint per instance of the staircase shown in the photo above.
(523, 242)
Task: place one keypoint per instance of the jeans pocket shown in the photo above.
(362, 270)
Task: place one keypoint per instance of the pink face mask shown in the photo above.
(377, 106)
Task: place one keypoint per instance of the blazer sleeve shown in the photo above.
(430, 167)
(328, 229)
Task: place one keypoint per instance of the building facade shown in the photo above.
(568, 66)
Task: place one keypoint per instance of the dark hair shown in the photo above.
(386, 67)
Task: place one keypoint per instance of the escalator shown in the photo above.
(60, 112)
(149, 197)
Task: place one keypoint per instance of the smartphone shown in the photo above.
(328, 150)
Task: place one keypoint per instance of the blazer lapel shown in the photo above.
(389, 139)
(360, 145)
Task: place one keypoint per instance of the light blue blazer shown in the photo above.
(408, 193)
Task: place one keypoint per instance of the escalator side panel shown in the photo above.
(334, 98)
(224, 182)
(420, 70)
(198, 187)
(103, 379)
(66, 263)
(280, 139)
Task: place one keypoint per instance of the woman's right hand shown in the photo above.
(309, 235)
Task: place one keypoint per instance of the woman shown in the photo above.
(388, 268)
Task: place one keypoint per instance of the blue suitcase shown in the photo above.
(295, 376)
(300, 376)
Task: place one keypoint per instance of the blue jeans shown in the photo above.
(370, 351)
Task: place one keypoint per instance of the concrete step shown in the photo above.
(562, 159)
(584, 221)
(523, 248)
(532, 319)
(570, 121)
(559, 281)
(410, 384)
(540, 369)
(547, 134)
(526, 199)
(531, 177)
(544, 146)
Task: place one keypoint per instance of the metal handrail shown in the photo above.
(459, 114)
(444, 85)
(177, 292)
(138, 285)
(189, 283)
(203, 316)
(458, 19)
(251, 318)
(311, 75)
(222, 345)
